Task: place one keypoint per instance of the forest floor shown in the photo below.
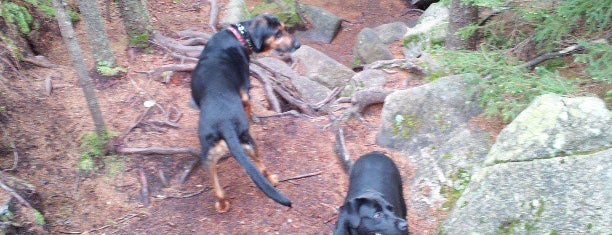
(47, 131)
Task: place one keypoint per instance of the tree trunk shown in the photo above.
(96, 32)
(461, 15)
(78, 62)
(137, 22)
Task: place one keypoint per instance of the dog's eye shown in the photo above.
(279, 34)
(377, 215)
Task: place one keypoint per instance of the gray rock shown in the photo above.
(563, 195)
(311, 91)
(369, 48)
(368, 78)
(325, 25)
(430, 30)
(233, 13)
(391, 32)
(371, 78)
(323, 69)
(429, 125)
(554, 126)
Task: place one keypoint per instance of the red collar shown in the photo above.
(240, 38)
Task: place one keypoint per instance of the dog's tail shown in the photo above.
(231, 138)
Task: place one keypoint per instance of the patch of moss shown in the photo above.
(507, 227)
(139, 40)
(460, 181)
(284, 10)
(106, 69)
(403, 125)
(39, 218)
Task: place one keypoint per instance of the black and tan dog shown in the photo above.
(219, 86)
(374, 203)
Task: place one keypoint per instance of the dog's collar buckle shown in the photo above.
(242, 35)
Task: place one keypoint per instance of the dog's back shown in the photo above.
(377, 172)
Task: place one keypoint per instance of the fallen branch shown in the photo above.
(15, 158)
(190, 33)
(188, 170)
(176, 46)
(40, 61)
(14, 194)
(144, 188)
(187, 194)
(214, 12)
(288, 113)
(328, 99)
(159, 151)
(163, 178)
(270, 96)
(170, 67)
(342, 151)
(301, 176)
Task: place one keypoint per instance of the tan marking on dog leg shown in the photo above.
(214, 155)
(252, 152)
(246, 103)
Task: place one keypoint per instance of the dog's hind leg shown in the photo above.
(251, 149)
(215, 154)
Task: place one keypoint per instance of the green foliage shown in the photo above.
(105, 68)
(598, 60)
(569, 17)
(505, 88)
(283, 9)
(39, 218)
(92, 146)
(18, 15)
(140, 40)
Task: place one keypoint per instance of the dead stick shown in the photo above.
(15, 157)
(341, 150)
(162, 178)
(188, 170)
(301, 176)
(274, 103)
(15, 195)
(144, 186)
(214, 12)
(159, 150)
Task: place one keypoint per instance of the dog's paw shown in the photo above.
(273, 178)
(222, 205)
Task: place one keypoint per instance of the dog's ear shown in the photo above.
(263, 27)
(348, 217)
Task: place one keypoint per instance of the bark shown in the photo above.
(137, 22)
(78, 62)
(461, 15)
(96, 32)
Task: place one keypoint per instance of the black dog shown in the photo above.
(219, 86)
(374, 203)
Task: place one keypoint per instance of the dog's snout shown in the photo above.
(402, 225)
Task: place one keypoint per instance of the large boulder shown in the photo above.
(323, 69)
(369, 48)
(324, 25)
(429, 125)
(391, 32)
(533, 184)
(554, 126)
